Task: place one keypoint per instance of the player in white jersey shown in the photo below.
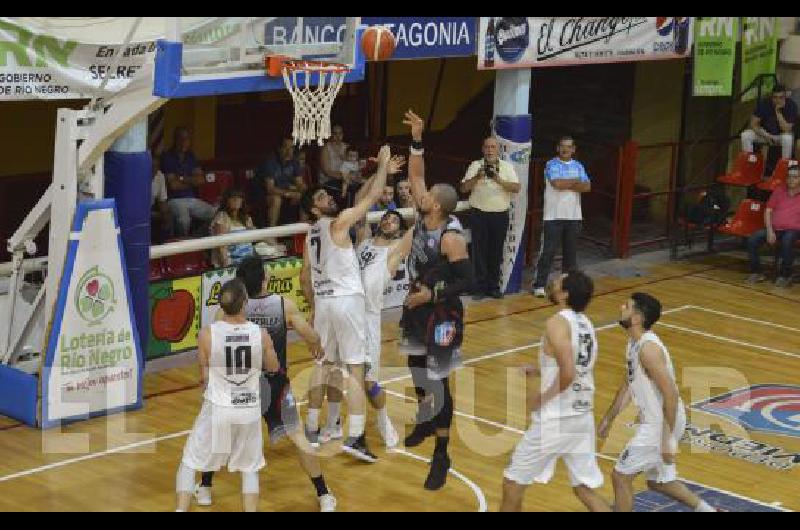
(650, 383)
(562, 405)
(331, 280)
(231, 353)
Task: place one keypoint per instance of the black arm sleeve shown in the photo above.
(463, 278)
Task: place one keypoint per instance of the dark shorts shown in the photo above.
(278, 406)
(440, 364)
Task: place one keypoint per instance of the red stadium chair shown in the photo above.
(747, 170)
(778, 177)
(749, 218)
(186, 264)
(156, 270)
(211, 192)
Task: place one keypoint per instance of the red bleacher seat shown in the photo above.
(749, 218)
(186, 264)
(211, 192)
(778, 177)
(156, 270)
(298, 241)
(747, 170)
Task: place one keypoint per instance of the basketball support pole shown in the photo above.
(82, 138)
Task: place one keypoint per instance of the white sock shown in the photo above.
(333, 413)
(703, 506)
(383, 416)
(312, 420)
(356, 425)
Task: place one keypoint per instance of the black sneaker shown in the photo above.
(418, 435)
(437, 476)
(357, 447)
(312, 437)
(496, 294)
(478, 296)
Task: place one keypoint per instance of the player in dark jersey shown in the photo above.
(433, 317)
(275, 313)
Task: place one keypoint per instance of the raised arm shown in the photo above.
(400, 251)
(299, 323)
(347, 218)
(416, 159)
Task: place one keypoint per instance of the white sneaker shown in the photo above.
(202, 495)
(539, 292)
(331, 433)
(327, 503)
(389, 434)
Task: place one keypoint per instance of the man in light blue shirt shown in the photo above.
(565, 180)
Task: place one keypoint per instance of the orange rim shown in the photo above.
(276, 63)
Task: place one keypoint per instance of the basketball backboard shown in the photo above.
(225, 55)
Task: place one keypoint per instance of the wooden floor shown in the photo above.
(756, 341)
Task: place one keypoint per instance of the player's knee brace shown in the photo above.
(250, 483)
(184, 482)
(374, 390)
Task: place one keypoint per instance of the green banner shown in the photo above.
(714, 55)
(759, 53)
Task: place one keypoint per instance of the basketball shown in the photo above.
(377, 43)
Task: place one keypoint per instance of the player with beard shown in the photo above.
(331, 280)
(432, 324)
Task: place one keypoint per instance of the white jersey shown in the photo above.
(334, 270)
(579, 397)
(645, 394)
(374, 260)
(234, 366)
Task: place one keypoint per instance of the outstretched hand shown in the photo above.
(416, 123)
(396, 163)
(384, 156)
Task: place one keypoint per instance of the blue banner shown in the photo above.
(429, 37)
(417, 37)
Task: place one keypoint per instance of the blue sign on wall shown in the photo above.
(417, 37)
(429, 37)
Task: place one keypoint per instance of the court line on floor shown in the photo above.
(602, 456)
(730, 340)
(482, 504)
(746, 319)
(123, 448)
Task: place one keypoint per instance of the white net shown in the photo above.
(312, 104)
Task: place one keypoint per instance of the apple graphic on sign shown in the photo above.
(172, 315)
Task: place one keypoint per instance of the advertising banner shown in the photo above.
(528, 42)
(93, 361)
(759, 53)
(714, 55)
(514, 136)
(38, 66)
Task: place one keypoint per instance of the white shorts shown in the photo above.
(373, 343)
(571, 439)
(224, 435)
(643, 454)
(340, 323)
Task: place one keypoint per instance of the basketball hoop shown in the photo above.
(312, 104)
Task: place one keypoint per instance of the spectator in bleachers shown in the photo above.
(231, 217)
(403, 194)
(782, 219)
(158, 199)
(386, 200)
(351, 177)
(331, 159)
(772, 123)
(490, 183)
(305, 169)
(282, 177)
(183, 175)
(565, 180)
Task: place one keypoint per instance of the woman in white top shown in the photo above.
(231, 217)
